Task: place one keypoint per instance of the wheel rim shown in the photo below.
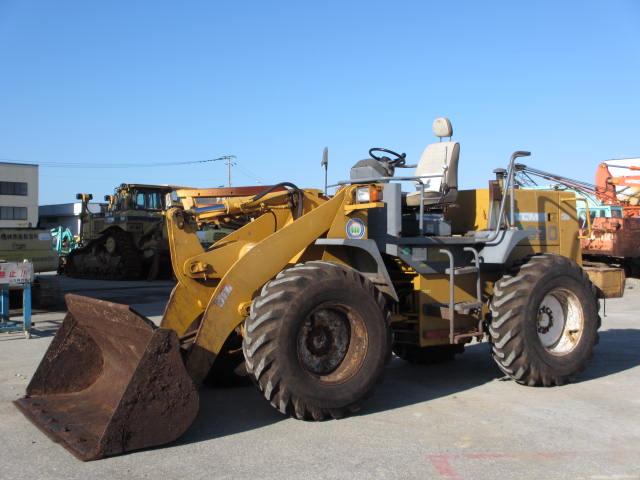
(332, 343)
(110, 245)
(560, 321)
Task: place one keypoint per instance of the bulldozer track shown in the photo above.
(128, 267)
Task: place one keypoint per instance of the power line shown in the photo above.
(248, 173)
(230, 161)
(120, 165)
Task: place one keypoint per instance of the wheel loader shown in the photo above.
(316, 292)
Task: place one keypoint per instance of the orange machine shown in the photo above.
(609, 211)
(627, 197)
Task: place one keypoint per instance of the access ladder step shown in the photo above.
(465, 307)
(462, 270)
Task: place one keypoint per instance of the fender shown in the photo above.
(364, 256)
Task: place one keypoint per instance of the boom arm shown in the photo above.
(606, 183)
(215, 287)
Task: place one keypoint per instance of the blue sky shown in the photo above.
(275, 82)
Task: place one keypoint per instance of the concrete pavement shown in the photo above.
(456, 421)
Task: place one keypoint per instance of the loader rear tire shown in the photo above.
(317, 340)
(544, 321)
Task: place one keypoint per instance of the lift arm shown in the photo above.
(216, 286)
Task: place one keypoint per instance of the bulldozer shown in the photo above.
(126, 240)
(316, 293)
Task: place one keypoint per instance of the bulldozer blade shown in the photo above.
(110, 382)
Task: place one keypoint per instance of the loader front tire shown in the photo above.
(544, 321)
(317, 340)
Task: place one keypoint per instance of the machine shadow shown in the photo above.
(235, 410)
(228, 411)
(617, 351)
(406, 384)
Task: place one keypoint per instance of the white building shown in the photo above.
(66, 215)
(18, 195)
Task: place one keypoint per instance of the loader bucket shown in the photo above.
(110, 382)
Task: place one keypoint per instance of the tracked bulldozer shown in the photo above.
(126, 240)
(316, 293)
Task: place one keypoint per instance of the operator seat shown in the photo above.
(438, 159)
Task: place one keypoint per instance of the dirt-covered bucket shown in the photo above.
(110, 382)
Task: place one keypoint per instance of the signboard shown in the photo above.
(16, 273)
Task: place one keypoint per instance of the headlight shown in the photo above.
(368, 194)
(362, 195)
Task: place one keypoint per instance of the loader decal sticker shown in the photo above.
(531, 217)
(221, 298)
(356, 229)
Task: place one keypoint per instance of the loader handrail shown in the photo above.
(508, 191)
(417, 178)
(385, 179)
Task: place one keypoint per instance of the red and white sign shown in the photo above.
(16, 273)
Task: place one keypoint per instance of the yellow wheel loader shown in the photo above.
(317, 293)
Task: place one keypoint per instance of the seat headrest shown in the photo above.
(442, 127)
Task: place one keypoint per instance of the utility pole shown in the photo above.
(229, 162)
(325, 165)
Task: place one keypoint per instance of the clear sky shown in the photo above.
(275, 82)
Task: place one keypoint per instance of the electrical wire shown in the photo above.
(121, 165)
(247, 173)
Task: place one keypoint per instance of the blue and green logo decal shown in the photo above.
(356, 229)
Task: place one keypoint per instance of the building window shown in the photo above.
(13, 213)
(13, 188)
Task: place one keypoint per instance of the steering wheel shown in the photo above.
(398, 161)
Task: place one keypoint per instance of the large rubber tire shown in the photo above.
(298, 323)
(427, 355)
(521, 326)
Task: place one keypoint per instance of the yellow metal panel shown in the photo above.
(434, 289)
(363, 206)
(569, 227)
(551, 213)
(470, 212)
(553, 216)
(189, 298)
(199, 272)
(217, 260)
(251, 271)
(608, 280)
